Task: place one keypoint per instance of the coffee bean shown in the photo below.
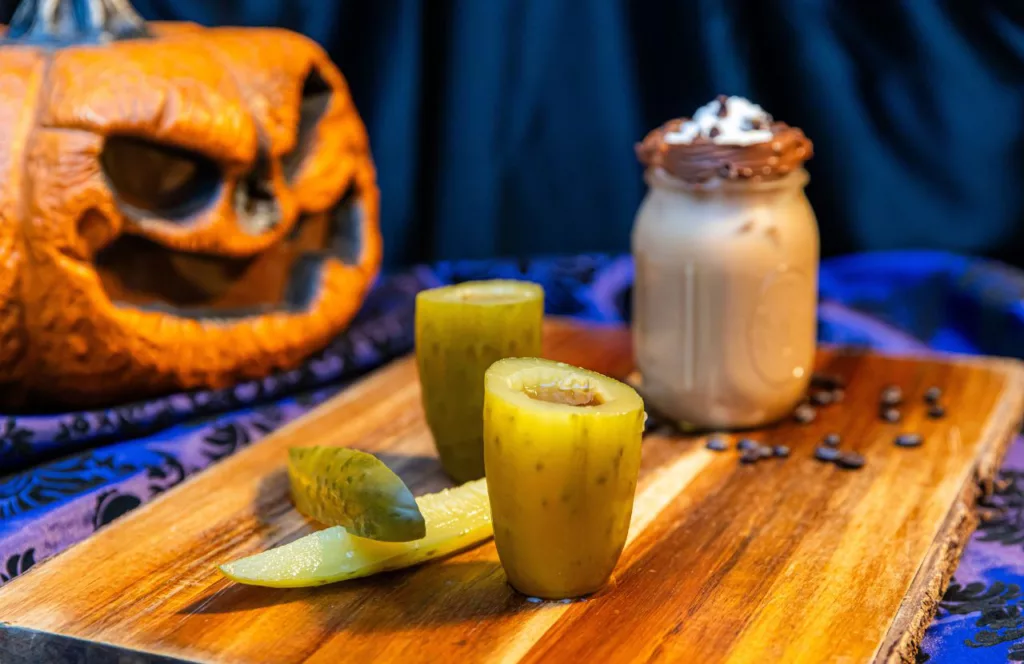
(827, 381)
(821, 398)
(750, 456)
(780, 451)
(891, 415)
(826, 454)
(933, 394)
(805, 413)
(717, 444)
(747, 444)
(935, 411)
(850, 461)
(832, 440)
(909, 440)
(891, 396)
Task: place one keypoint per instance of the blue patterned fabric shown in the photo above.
(67, 475)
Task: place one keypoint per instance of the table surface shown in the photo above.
(70, 473)
(739, 563)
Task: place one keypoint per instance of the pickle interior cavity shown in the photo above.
(570, 391)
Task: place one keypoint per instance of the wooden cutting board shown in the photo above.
(783, 561)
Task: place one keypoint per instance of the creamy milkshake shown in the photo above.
(726, 250)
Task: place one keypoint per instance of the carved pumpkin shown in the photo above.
(180, 207)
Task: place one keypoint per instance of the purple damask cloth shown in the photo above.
(67, 475)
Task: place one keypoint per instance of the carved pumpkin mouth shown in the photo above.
(139, 273)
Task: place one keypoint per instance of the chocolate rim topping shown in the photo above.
(703, 159)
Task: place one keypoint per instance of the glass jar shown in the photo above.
(725, 298)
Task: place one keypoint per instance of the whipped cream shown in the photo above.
(725, 121)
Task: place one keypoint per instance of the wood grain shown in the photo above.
(783, 561)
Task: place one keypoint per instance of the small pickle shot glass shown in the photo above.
(461, 330)
(562, 454)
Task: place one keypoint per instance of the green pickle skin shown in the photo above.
(461, 331)
(561, 478)
(339, 486)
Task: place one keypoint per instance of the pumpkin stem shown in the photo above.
(65, 22)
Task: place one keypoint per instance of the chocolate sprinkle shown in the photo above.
(936, 412)
(932, 394)
(891, 415)
(723, 106)
(826, 453)
(832, 440)
(909, 440)
(717, 444)
(892, 396)
(850, 461)
(715, 131)
(805, 413)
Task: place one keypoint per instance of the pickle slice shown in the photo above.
(562, 452)
(456, 519)
(338, 486)
(460, 331)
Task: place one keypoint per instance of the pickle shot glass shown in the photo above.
(461, 330)
(562, 455)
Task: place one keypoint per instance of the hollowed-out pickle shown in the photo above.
(460, 331)
(562, 451)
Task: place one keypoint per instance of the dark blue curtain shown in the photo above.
(506, 127)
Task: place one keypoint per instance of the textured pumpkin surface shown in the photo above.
(233, 95)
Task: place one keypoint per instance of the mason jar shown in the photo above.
(725, 298)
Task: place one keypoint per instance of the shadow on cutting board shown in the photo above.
(440, 592)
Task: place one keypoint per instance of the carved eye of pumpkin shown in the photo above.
(316, 97)
(159, 180)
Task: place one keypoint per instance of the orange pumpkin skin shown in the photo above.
(71, 337)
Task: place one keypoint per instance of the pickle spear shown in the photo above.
(338, 486)
(562, 451)
(456, 519)
(460, 331)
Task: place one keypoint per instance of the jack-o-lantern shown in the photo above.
(180, 207)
